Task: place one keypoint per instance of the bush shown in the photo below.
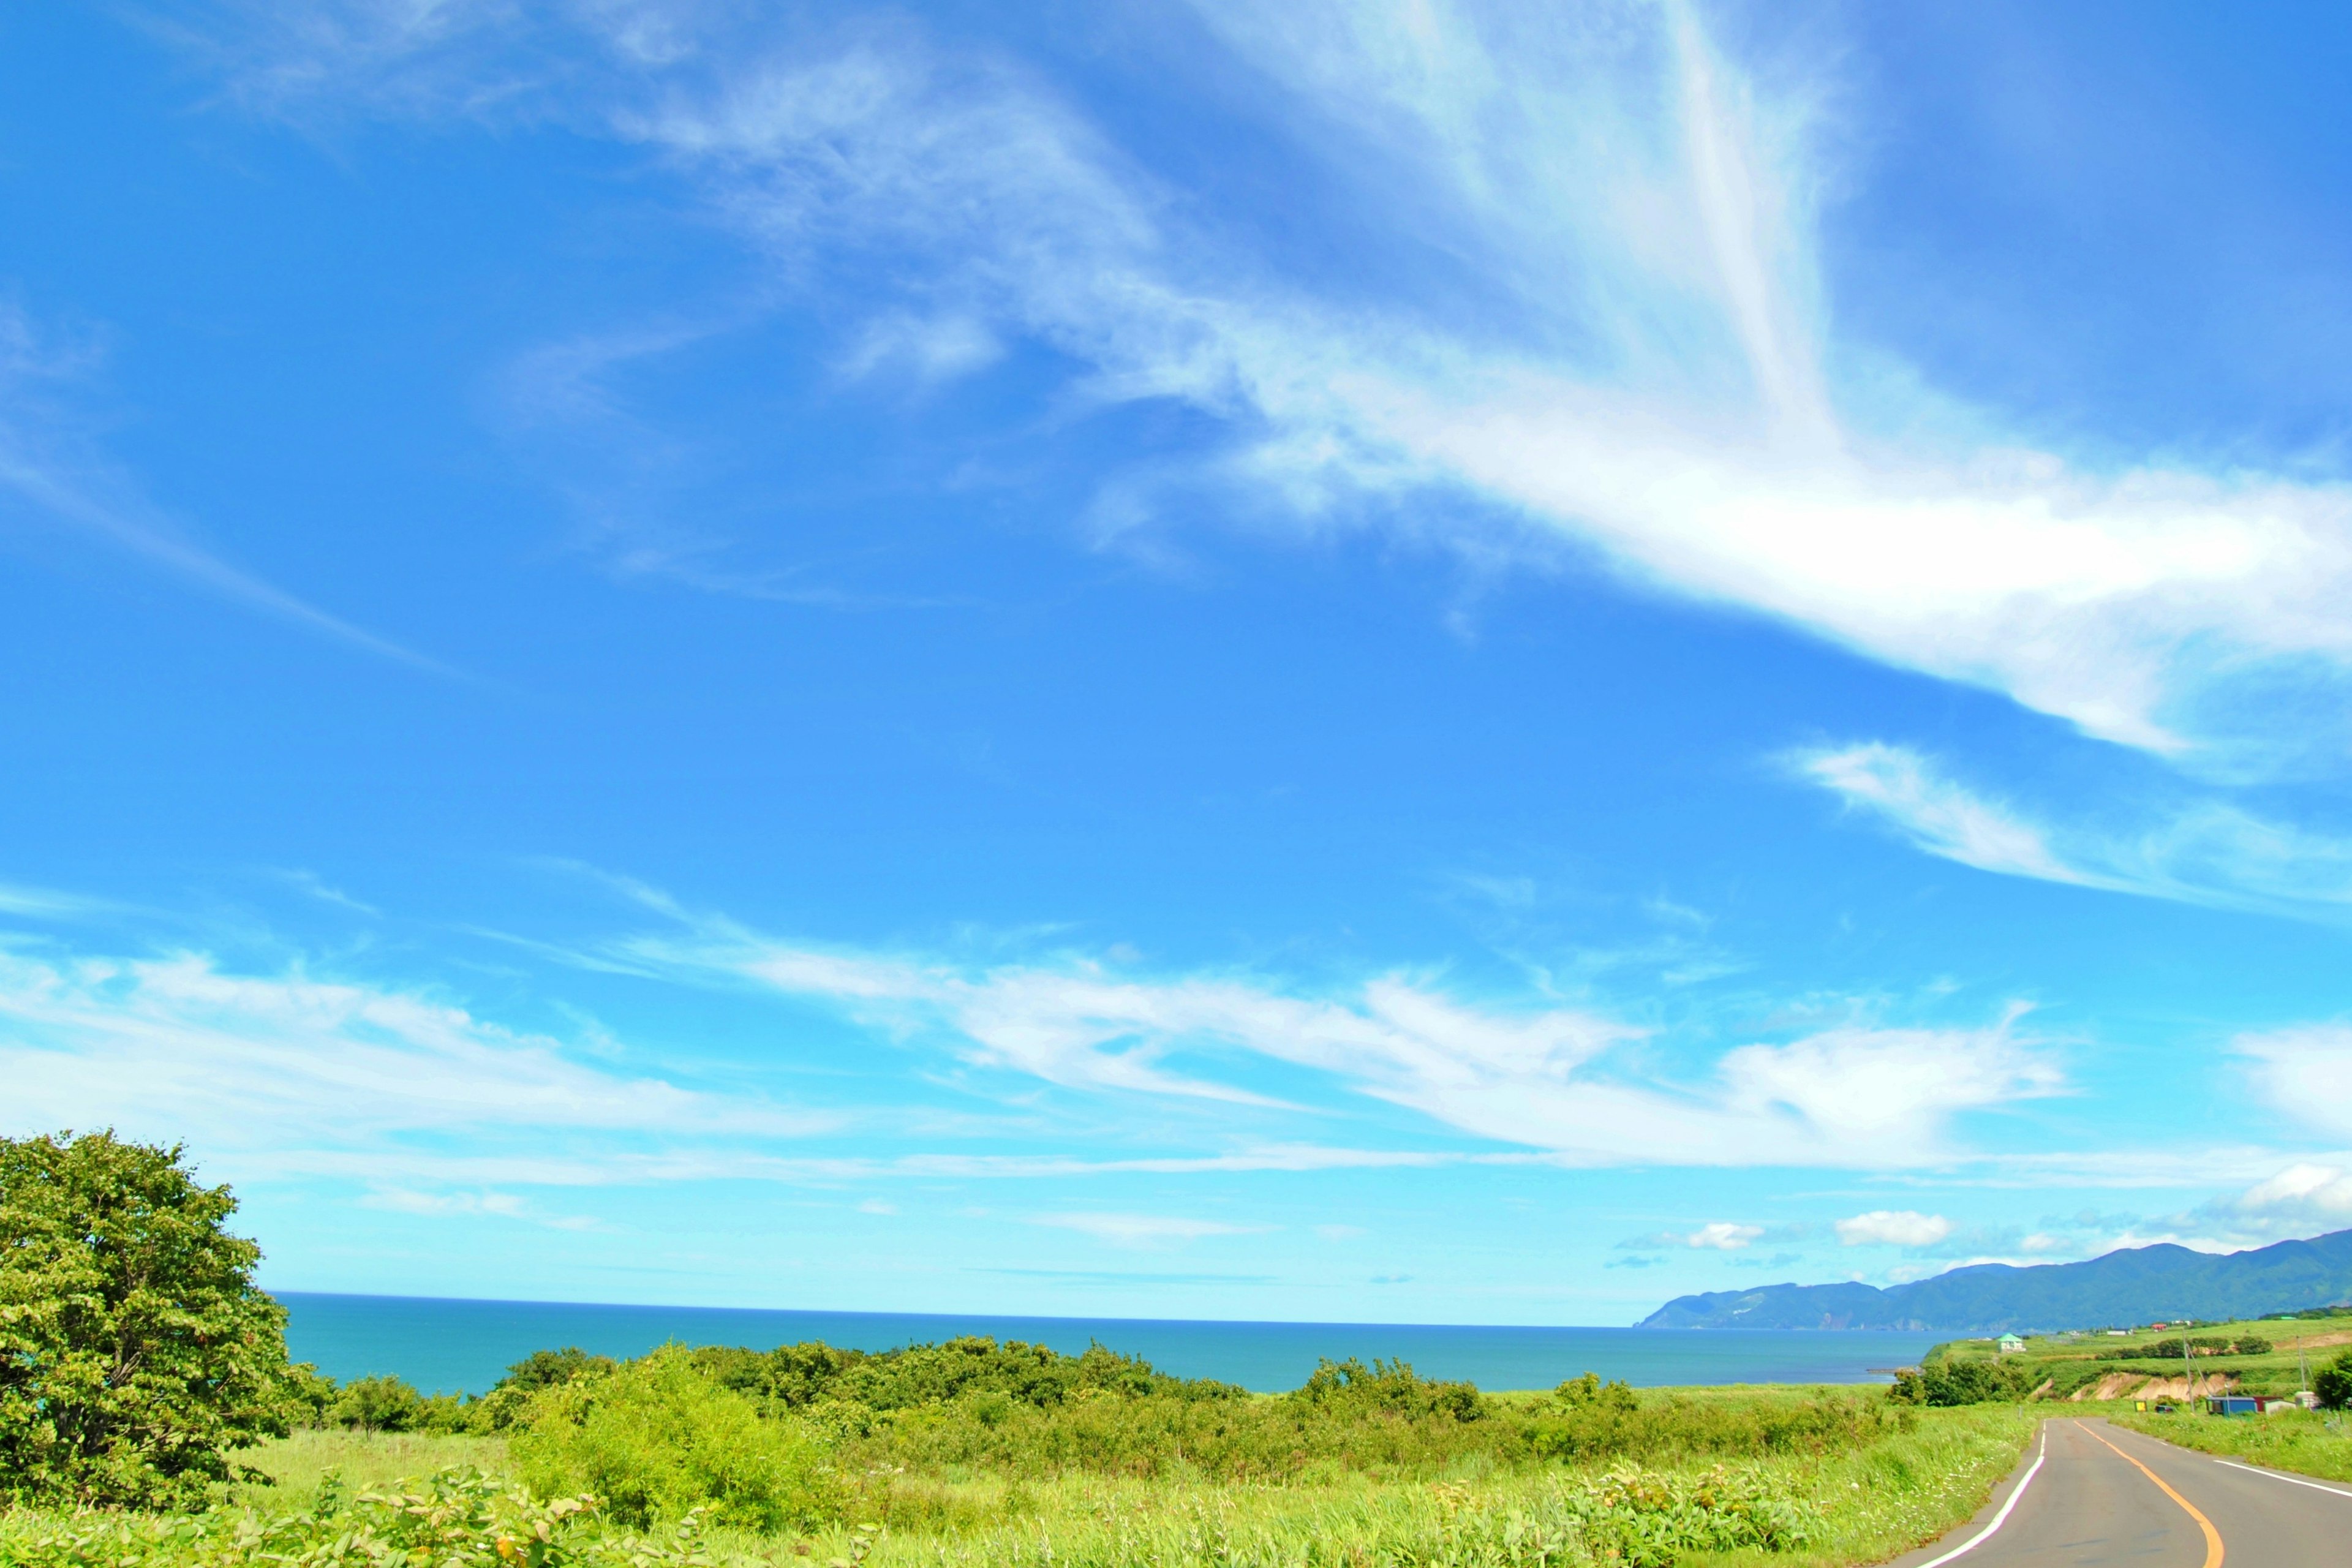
(2333, 1383)
(1589, 1392)
(1390, 1387)
(2198, 1344)
(547, 1369)
(799, 1376)
(309, 1394)
(1974, 1382)
(134, 1345)
(377, 1404)
(658, 1438)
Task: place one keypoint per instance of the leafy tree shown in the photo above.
(134, 1345)
(309, 1394)
(378, 1404)
(1962, 1381)
(2333, 1383)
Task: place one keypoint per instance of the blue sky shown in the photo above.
(1419, 662)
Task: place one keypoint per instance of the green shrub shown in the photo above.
(309, 1394)
(2333, 1383)
(2198, 1344)
(546, 1369)
(799, 1376)
(1390, 1387)
(659, 1437)
(1950, 1382)
(377, 1404)
(1579, 1392)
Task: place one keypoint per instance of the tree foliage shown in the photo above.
(135, 1348)
(1957, 1381)
(798, 1376)
(2333, 1383)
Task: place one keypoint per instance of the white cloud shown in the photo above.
(53, 473)
(2301, 1196)
(501, 1206)
(2304, 1073)
(44, 903)
(1653, 377)
(1869, 1093)
(1705, 457)
(1721, 1235)
(1892, 1227)
(178, 1048)
(1548, 1078)
(1139, 1230)
(2205, 852)
(935, 349)
(1936, 814)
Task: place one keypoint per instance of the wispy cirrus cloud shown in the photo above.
(1141, 1231)
(2202, 852)
(53, 475)
(1623, 346)
(181, 1047)
(1547, 1078)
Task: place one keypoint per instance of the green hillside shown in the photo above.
(2249, 1355)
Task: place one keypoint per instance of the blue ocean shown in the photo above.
(463, 1346)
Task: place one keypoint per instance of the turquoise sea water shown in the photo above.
(450, 1346)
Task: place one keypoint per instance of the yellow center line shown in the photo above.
(2212, 1536)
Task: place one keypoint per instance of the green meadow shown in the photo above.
(1010, 1457)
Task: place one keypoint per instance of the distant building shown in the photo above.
(2010, 1345)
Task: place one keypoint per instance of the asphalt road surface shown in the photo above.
(2095, 1494)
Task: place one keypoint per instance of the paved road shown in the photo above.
(2103, 1495)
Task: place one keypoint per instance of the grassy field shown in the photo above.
(1859, 1506)
(295, 1464)
(2310, 1443)
(1840, 1499)
(2102, 1367)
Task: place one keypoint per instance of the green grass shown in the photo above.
(295, 1464)
(1870, 1504)
(1859, 1505)
(2312, 1443)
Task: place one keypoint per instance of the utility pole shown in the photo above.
(2187, 1372)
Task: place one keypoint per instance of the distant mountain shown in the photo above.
(2136, 1284)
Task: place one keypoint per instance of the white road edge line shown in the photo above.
(2001, 1518)
(2274, 1475)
